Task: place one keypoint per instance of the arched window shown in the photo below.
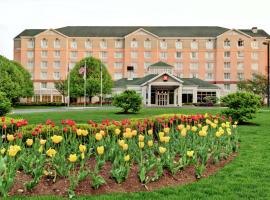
(227, 43)
(88, 44)
(147, 44)
(134, 43)
(31, 43)
(44, 43)
(56, 43)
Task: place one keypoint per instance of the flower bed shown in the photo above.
(75, 153)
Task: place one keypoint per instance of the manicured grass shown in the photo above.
(246, 177)
(83, 116)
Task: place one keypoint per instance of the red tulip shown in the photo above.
(65, 129)
(20, 135)
(3, 119)
(12, 121)
(48, 121)
(4, 126)
(34, 133)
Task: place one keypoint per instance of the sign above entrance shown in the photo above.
(165, 78)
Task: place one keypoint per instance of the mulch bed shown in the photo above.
(132, 184)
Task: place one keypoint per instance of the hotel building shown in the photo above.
(216, 55)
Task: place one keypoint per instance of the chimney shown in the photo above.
(130, 71)
(254, 29)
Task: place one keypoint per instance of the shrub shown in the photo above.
(241, 105)
(5, 104)
(210, 100)
(128, 100)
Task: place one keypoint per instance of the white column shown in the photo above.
(144, 94)
(195, 95)
(51, 96)
(180, 91)
(149, 95)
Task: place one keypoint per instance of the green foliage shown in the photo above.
(128, 100)
(257, 85)
(62, 87)
(93, 85)
(15, 81)
(241, 105)
(5, 105)
(210, 100)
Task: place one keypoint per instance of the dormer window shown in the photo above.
(44, 43)
(88, 44)
(56, 43)
(227, 43)
(134, 43)
(240, 43)
(147, 44)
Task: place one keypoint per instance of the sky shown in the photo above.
(17, 15)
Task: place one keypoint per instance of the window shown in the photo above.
(56, 75)
(254, 66)
(44, 64)
(118, 55)
(88, 44)
(117, 76)
(118, 65)
(227, 54)
(43, 85)
(240, 66)
(209, 76)
(209, 44)
(73, 54)
(103, 44)
(44, 54)
(30, 43)
(194, 66)
(57, 54)
(118, 44)
(227, 65)
(194, 45)
(179, 66)
(103, 55)
(30, 54)
(134, 43)
(163, 44)
(44, 43)
(209, 55)
(73, 44)
(134, 54)
(178, 45)
(178, 55)
(227, 43)
(209, 66)
(227, 86)
(194, 55)
(43, 75)
(254, 55)
(163, 55)
(240, 54)
(240, 43)
(193, 75)
(147, 54)
(227, 76)
(56, 64)
(254, 44)
(88, 54)
(56, 43)
(147, 44)
(146, 65)
(240, 76)
(30, 64)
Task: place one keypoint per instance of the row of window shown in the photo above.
(44, 75)
(88, 44)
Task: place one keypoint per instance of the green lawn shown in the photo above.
(83, 116)
(246, 177)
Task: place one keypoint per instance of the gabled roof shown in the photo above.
(30, 32)
(160, 64)
(122, 83)
(260, 33)
(159, 75)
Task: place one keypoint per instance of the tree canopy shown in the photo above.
(93, 85)
(15, 81)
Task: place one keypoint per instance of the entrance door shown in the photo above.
(162, 98)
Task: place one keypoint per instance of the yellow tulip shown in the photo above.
(150, 143)
(190, 153)
(188, 127)
(82, 148)
(134, 133)
(202, 133)
(207, 121)
(141, 138)
(128, 134)
(125, 147)
(161, 134)
(199, 125)
(126, 158)
(150, 132)
(29, 142)
(72, 158)
(121, 143)
(128, 130)
(42, 142)
(194, 129)
(166, 139)
(100, 150)
(223, 125)
(141, 145)
(10, 137)
(166, 130)
(162, 150)
(234, 126)
(84, 132)
(213, 125)
(3, 150)
(102, 133)
(79, 132)
(98, 136)
(180, 127)
(51, 152)
(13, 150)
(117, 131)
(216, 121)
(184, 132)
(218, 134)
(56, 139)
